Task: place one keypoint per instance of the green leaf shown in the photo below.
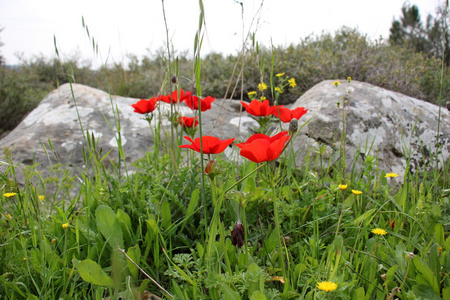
(423, 268)
(109, 226)
(91, 272)
(425, 292)
(257, 295)
(166, 215)
(193, 203)
(446, 293)
(135, 254)
(229, 293)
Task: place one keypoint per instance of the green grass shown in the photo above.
(166, 228)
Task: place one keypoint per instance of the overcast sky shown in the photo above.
(137, 26)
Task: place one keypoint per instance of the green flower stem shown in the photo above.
(278, 230)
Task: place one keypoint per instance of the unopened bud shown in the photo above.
(383, 276)
(410, 255)
(174, 79)
(237, 235)
(211, 169)
(293, 125)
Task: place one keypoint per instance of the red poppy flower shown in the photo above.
(145, 106)
(260, 147)
(258, 108)
(188, 122)
(192, 102)
(173, 97)
(211, 144)
(286, 115)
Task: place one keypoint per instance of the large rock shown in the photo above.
(59, 119)
(381, 123)
(387, 125)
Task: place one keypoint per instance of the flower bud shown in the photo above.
(174, 79)
(383, 276)
(410, 255)
(237, 235)
(293, 125)
(211, 169)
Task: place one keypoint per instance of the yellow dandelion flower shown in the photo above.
(292, 82)
(343, 186)
(252, 93)
(263, 98)
(327, 286)
(41, 197)
(379, 231)
(262, 86)
(65, 225)
(356, 192)
(336, 83)
(24, 259)
(390, 175)
(278, 90)
(280, 74)
(349, 79)
(8, 195)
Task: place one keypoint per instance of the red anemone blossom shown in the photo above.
(258, 108)
(145, 106)
(188, 122)
(173, 97)
(260, 147)
(192, 102)
(211, 144)
(286, 115)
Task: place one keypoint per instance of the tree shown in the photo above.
(432, 39)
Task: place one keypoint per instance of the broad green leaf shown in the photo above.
(135, 254)
(229, 293)
(425, 270)
(425, 292)
(109, 226)
(446, 293)
(166, 215)
(257, 295)
(193, 203)
(439, 233)
(91, 272)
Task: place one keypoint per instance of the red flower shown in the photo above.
(211, 144)
(286, 115)
(258, 108)
(188, 122)
(173, 97)
(260, 147)
(145, 106)
(192, 102)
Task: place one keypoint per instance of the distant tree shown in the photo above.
(431, 38)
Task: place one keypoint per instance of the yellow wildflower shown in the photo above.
(379, 231)
(65, 225)
(343, 186)
(356, 192)
(262, 86)
(292, 82)
(327, 286)
(9, 216)
(278, 90)
(349, 79)
(53, 241)
(336, 83)
(8, 195)
(390, 175)
(24, 259)
(280, 74)
(41, 197)
(263, 98)
(252, 93)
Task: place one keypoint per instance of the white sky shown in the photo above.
(137, 26)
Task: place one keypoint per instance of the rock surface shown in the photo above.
(380, 123)
(387, 125)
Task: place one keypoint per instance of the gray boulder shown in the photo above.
(389, 126)
(381, 123)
